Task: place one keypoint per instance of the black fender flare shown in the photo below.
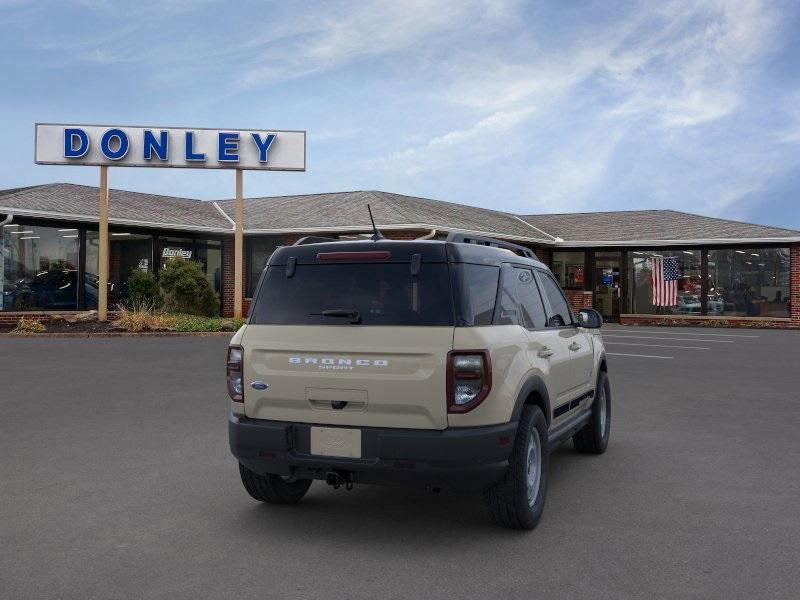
(533, 384)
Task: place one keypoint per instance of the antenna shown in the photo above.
(377, 235)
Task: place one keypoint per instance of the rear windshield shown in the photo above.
(367, 294)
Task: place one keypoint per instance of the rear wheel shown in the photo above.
(593, 438)
(517, 501)
(273, 489)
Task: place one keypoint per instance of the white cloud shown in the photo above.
(476, 143)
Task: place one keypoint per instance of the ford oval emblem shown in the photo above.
(259, 385)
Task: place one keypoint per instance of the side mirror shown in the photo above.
(590, 318)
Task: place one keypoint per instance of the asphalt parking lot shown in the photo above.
(116, 482)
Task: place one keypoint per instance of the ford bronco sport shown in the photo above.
(452, 364)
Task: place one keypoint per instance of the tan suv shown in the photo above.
(452, 364)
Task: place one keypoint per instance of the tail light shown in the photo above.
(469, 379)
(234, 373)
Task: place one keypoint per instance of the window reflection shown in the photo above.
(258, 252)
(128, 251)
(747, 282)
(39, 268)
(666, 282)
(568, 268)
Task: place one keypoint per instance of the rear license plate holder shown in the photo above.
(340, 442)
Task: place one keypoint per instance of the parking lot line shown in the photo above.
(638, 355)
(656, 345)
(653, 337)
(736, 335)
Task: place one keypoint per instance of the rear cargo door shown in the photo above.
(351, 338)
(348, 375)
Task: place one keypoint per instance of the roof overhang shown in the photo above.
(685, 242)
(114, 221)
(400, 227)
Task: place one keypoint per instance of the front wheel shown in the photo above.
(273, 489)
(593, 438)
(517, 501)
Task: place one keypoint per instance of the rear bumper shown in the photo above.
(460, 459)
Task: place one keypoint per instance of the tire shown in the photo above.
(593, 438)
(273, 489)
(517, 502)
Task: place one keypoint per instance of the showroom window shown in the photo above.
(39, 268)
(666, 282)
(569, 269)
(258, 252)
(209, 255)
(128, 252)
(749, 282)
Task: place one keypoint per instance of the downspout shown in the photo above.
(7, 220)
(428, 236)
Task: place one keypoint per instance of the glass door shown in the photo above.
(607, 284)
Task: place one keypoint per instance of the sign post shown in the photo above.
(103, 253)
(238, 244)
(176, 147)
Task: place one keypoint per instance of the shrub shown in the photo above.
(27, 325)
(186, 289)
(143, 289)
(195, 323)
(141, 317)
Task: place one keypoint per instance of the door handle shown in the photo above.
(574, 346)
(545, 352)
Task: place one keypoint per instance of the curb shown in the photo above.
(119, 334)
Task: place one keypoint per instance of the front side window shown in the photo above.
(363, 294)
(748, 282)
(38, 267)
(560, 314)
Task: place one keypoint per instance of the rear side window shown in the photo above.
(380, 294)
(560, 313)
(476, 290)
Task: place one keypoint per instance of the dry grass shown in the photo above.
(26, 325)
(142, 317)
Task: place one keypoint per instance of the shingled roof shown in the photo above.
(664, 226)
(79, 203)
(343, 211)
(347, 211)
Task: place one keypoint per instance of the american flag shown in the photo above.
(664, 277)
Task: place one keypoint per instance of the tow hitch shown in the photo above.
(336, 479)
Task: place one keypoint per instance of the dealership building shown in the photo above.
(724, 272)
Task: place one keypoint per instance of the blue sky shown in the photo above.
(521, 106)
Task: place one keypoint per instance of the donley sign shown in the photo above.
(189, 148)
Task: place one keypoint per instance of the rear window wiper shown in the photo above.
(343, 313)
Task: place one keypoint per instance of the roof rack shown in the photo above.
(464, 238)
(313, 239)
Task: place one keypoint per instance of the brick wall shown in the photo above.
(227, 276)
(709, 321)
(579, 299)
